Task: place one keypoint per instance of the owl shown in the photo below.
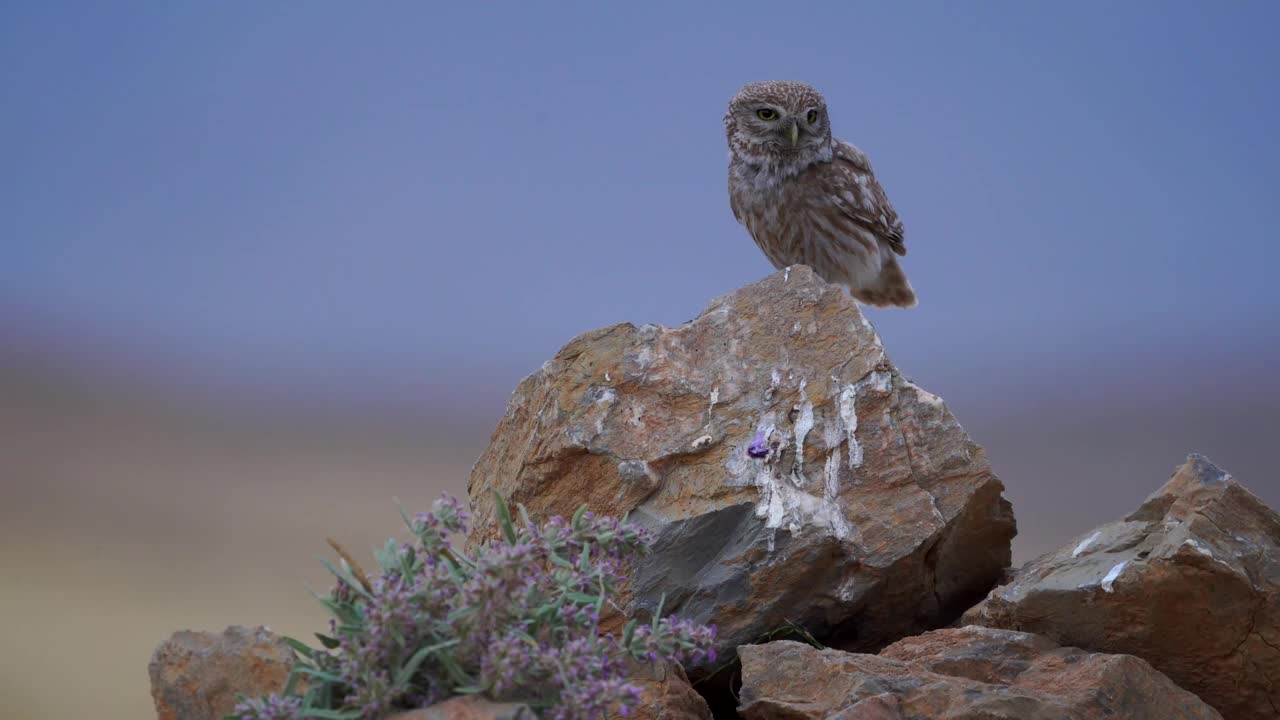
(809, 199)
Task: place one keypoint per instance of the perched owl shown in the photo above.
(808, 199)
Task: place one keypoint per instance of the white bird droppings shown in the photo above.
(804, 423)
(1108, 582)
(1084, 544)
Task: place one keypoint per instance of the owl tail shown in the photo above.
(889, 289)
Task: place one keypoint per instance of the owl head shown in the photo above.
(778, 122)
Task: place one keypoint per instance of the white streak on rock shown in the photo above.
(1085, 543)
(715, 398)
(831, 495)
(607, 397)
(1108, 582)
(1201, 549)
(849, 416)
(804, 423)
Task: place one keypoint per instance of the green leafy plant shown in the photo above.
(516, 620)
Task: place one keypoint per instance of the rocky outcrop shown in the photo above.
(198, 675)
(1190, 582)
(971, 673)
(791, 472)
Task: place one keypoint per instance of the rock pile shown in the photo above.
(1190, 582)
(796, 478)
(972, 672)
(791, 472)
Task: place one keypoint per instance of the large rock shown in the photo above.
(970, 673)
(792, 473)
(198, 675)
(1190, 582)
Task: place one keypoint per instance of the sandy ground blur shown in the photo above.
(126, 517)
(129, 514)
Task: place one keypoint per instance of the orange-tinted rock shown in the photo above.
(665, 694)
(1189, 582)
(469, 708)
(198, 675)
(791, 472)
(970, 673)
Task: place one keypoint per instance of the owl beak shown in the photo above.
(793, 132)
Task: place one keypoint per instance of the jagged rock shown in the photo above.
(469, 708)
(1189, 582)
(970, 673)
(665, 694)
(198, 675)
(792, 473)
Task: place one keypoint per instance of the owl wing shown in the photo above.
(858, 195)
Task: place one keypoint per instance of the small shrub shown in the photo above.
(516, 621)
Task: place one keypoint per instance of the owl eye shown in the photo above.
(812, 116)
(767, 114)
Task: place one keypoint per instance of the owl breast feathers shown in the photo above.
(809, 199)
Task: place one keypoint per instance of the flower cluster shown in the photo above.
(515, 620)
(276, 707)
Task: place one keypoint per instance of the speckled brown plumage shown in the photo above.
(809, 199)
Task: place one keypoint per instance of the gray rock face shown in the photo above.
(791, 472)
(970, 673)
(198, 675)
(1189, 582)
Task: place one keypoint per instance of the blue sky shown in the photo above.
(434, 193)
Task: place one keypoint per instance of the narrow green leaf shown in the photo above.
(628, 632)
(409, 562)
(524, 515)
(342, 611)
(331, 714)
(406, 673)
(463, 690)
(459, 676)
(291, 685)
(328, 642)
(461, 613)
(525, 637)
(319, 674)
(657, 616)
(408, 519)
(345, 575)
(582, 598)
(504, 518)
(299, 647)
(576, 522)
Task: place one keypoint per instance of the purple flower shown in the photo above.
(275, 707)
(518, 618)
(759, 447)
